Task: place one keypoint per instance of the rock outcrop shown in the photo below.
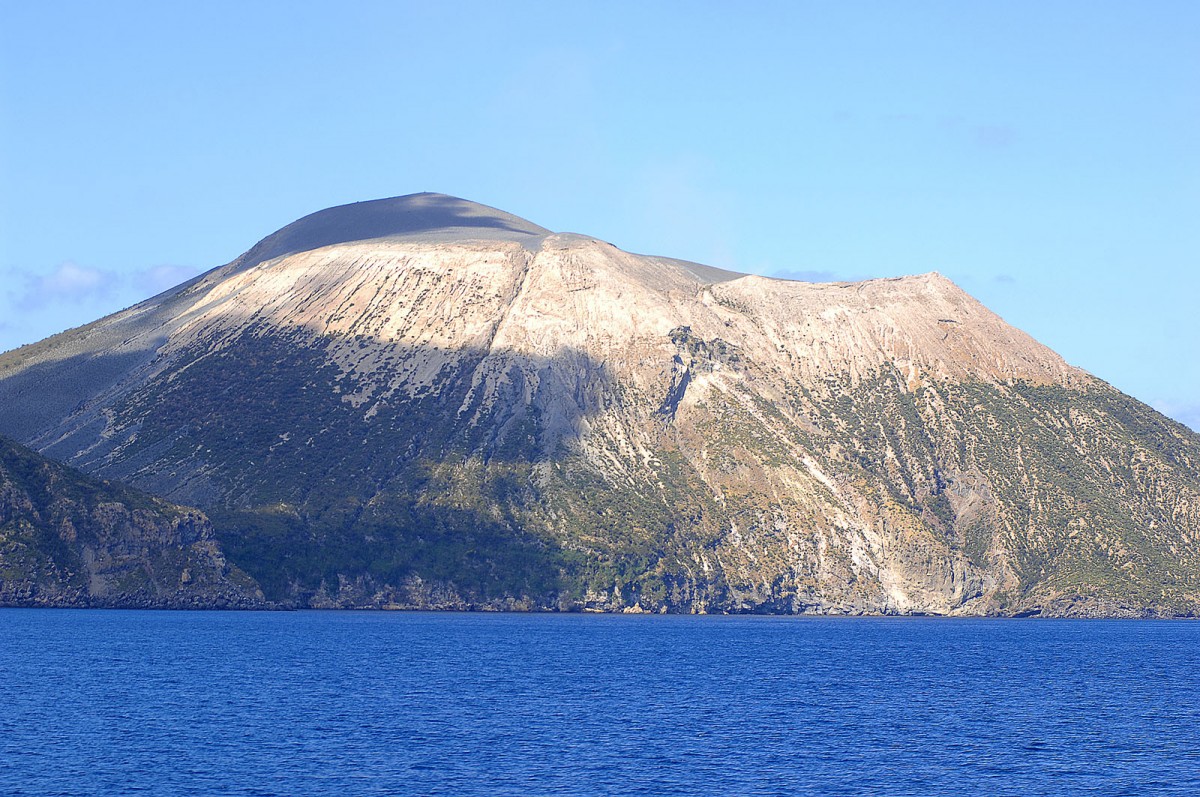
(67, 540)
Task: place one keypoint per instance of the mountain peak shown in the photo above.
(426, 402)
(424, 216)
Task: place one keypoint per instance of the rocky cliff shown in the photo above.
(69, 540)
(426, 402)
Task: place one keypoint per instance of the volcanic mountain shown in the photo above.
(425, 402)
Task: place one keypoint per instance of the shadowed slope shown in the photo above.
(426, 402)
(69, 540)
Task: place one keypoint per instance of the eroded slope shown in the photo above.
(437, 416)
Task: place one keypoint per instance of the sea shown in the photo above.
(108, 702)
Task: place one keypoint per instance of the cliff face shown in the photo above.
(425, 402)
(68, 540)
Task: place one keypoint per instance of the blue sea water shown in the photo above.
(358, 703)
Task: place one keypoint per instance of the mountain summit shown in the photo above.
(416, 217)
(424, 402)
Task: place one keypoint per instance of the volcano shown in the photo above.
(424, 402)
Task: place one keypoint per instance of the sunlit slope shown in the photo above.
(439, 404)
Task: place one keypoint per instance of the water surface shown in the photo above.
(308, 703)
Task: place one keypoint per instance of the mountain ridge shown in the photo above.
(492, 414)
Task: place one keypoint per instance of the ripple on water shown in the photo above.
(307, 703)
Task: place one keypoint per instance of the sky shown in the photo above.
(1043, 155)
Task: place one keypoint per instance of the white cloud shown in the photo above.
(72, 283)
(34, 305)
(68, 282)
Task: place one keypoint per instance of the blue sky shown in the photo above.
(1044, 155)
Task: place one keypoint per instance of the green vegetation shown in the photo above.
(70, 540)
(440, 496)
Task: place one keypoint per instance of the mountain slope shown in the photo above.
(68, 540)
(426, 402)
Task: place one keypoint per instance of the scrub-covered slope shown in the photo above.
(69, 540)
(426, 402)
